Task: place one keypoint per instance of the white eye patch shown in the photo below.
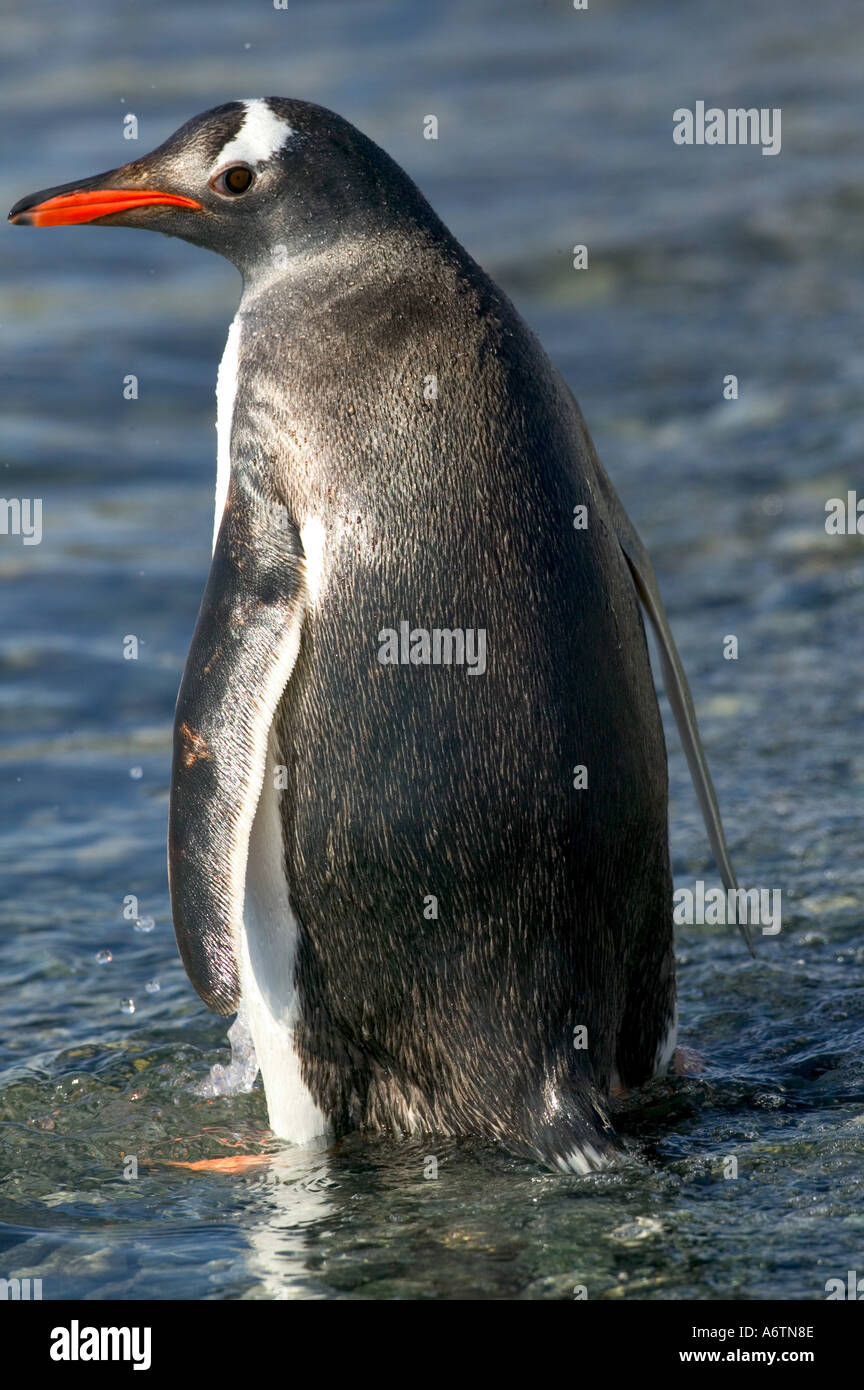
(259, 138)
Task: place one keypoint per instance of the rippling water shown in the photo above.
(555, 129)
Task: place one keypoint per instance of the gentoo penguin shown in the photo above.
(418, 823)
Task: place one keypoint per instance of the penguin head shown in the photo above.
(258, 182)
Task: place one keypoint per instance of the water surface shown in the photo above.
(554, 129)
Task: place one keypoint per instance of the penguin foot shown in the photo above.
(235, 1165)
(232, 1163)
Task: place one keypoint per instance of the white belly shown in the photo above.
(267, 948)
(267, 954)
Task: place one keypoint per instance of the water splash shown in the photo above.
(241, 1071)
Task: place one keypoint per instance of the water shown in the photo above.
(555, 129)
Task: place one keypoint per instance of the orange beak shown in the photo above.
(89, 206)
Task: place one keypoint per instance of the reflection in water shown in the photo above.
(292, 1196)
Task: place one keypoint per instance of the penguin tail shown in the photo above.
(584, 1158)
(585, 1145)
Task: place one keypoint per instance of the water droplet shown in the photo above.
(143, 924)
(127, 1006)
(152, 986)
(104, 957)
(136, 772)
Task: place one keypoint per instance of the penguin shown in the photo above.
(418, 819)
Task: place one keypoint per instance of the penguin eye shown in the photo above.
(233, 181)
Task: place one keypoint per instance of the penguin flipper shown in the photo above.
(243, 651)
(674, 680)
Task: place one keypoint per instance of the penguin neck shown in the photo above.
(316, 269)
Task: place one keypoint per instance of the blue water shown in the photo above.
(554, 129)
